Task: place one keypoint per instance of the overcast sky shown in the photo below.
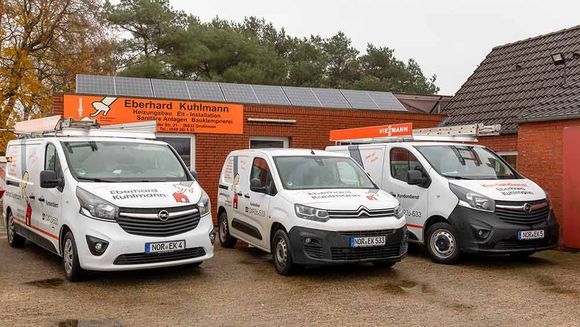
(448, 38)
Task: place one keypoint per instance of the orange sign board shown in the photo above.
(394, 130)
(172, 116)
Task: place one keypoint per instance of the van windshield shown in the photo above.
(466, 162)
(316, 172)
(98, 161)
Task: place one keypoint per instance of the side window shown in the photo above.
(261, 173)
(51, 161)
(402, 160)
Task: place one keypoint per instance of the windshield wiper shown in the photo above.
(455, 177)
(100, 180)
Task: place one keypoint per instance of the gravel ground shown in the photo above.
(240, 287)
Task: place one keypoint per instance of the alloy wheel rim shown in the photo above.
(10, 229)
(68, 255)
(281, 252)
(223, 230)
(443, 244)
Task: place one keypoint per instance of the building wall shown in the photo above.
(500, 143)
(540, 156)
(311, 130)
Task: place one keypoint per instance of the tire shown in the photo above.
(70, 259)
(522, 255)
(442, 244)
(226, 240)
(15, 240)
(282, 254)
(384, 264)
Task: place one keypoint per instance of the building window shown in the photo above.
(510, 157)
(259, 142)
(184, 145)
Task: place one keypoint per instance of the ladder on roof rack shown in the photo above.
(57, 126)
(405, 132)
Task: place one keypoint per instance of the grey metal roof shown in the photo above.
(520, 79)
(238, 93)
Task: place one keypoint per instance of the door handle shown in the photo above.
(31, 197)
(247, 196)
(41, 199)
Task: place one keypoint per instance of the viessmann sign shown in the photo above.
(172, 116)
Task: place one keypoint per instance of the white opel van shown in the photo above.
(460, 198)
(308, 208)
(105, 203)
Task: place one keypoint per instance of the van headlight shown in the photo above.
(473, 199)
(93, 206)
(310, 213)
(204, 205)
(399, 213)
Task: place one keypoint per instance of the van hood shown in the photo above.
(146, 195)
(343, 199)
(505, 189)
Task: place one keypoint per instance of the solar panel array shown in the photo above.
(238, 93)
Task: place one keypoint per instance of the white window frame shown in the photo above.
(191, 145)
(285, 140)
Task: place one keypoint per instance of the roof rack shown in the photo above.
(406, 133)
(57, 126)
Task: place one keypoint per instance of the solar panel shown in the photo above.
(359, 99)
(301, 96)
(204, 91)
(239, 93)
(386, 101)
(269, 94)
(130, 86)
(89, 84)
(169, 89)
(331, 98)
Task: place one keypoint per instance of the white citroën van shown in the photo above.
(308, 207)
(457, 197)
(104, 199)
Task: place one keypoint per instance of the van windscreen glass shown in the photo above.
(102, 161)
(466, 162)
(314, 172)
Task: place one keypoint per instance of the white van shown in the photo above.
(460, 198)
(308, 207)
(105, 203)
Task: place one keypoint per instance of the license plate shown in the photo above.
(530, 234)
(169, 246)
(356, 242)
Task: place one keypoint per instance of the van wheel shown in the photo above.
(282, 254)
(15, 240)
(442, 243)
(70, 259)
(226, 240)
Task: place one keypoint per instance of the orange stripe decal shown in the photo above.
(40, 230)
(415, 226)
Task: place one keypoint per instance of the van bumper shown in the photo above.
(319, 247)
(499, 237)
(127, 251)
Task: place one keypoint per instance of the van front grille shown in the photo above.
(521, 212)
(361, 212)
(144, 258)
(366, 253)
(146, 221)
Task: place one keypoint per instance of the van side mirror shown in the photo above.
(415, 177)
(256, 186)
(49, 179)
(193, 173)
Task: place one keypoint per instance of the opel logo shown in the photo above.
(527, 207)
(163, 215)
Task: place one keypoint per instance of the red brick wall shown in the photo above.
(540, 156)
(311, 129)
(500, 143)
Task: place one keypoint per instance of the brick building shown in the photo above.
(272, 115)
(532, 88)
